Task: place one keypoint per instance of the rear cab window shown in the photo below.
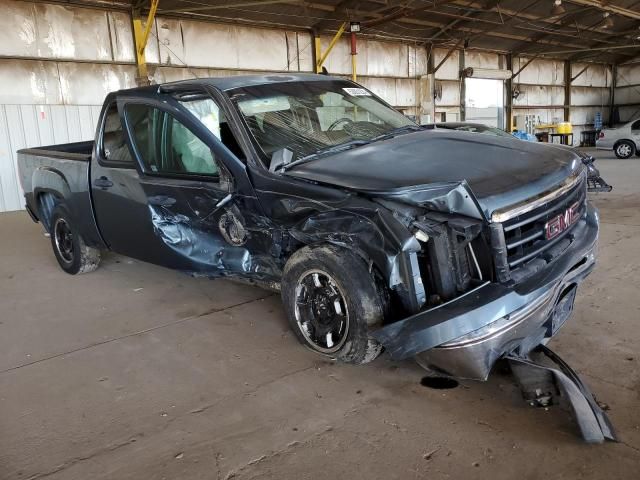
(113, 145)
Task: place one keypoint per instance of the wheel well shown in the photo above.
(378, 278)
(46, 202)
(624, 140)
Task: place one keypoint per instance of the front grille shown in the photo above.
(525, 235)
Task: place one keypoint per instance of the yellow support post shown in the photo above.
(318, 53)
(140, 37)
(321, 58)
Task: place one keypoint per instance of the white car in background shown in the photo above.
(623, 140)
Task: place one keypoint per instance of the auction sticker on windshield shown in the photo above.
(357, 92)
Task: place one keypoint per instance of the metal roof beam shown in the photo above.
(635, 58)
(442, 27)
(340, 10)
(451, 24)
(530, 16)
(591, 49)
(225, 6)
(508, 36)
(376, 17)
(531, 42)
(446, 57)
(578, 74)
(608, 7)
(527, 26)
(526, 64)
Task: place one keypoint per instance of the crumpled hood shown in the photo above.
(500, 171)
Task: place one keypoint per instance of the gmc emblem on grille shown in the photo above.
(560, 223)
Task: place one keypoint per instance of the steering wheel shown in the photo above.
(340, 121)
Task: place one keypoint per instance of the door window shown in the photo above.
(114, 147)
(166, 146)
(207, 111)
(635, 125)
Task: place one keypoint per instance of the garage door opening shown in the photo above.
(484, 101)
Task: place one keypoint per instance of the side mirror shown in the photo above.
(226, 180)
(280, 158)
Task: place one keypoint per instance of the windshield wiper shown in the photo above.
(349, 145)
(324, 151)
(398, 131)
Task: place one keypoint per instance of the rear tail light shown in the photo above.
(601, 135)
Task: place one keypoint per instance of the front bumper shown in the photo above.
(464, 337)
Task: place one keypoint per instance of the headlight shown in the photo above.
(421, 236)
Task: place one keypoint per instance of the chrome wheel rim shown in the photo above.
(63, 239)
(321, 311)
(624, 150)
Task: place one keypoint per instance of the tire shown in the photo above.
(624, 149)
(72, 253)
(314, 279)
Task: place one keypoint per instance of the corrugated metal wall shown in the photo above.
(58, 62)
(627, 93)
(62, 60)
(24, 126)
(541, 86)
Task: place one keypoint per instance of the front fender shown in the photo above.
(377, 236)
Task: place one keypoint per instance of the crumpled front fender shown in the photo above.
(477, 328)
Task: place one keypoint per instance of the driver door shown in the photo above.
(183, 210)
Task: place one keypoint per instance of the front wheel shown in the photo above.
(331, 301)
(624, 149)
(73, 255)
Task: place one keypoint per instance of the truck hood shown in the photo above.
(499, 171)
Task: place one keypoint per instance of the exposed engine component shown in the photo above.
(232, 229)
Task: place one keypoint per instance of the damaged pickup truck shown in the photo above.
(453, 248)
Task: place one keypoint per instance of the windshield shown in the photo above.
(307, 117)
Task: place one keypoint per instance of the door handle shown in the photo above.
(161, 200)
(103, 182)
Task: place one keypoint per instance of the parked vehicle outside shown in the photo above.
(623, 140)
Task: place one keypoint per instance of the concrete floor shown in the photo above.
(137, 372)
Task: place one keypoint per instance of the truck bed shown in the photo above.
(52, 173)
(80, 151)
(63, 167)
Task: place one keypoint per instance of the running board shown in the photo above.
(545, 385)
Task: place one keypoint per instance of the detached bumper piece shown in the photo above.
(545, 385)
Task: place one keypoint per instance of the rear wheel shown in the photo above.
(331, 301)
(73, 255)
(624, 149)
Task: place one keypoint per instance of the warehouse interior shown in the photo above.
(136, 371)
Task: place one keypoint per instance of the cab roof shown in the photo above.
(239, 81)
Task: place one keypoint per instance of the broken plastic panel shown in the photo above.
(547, 385)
